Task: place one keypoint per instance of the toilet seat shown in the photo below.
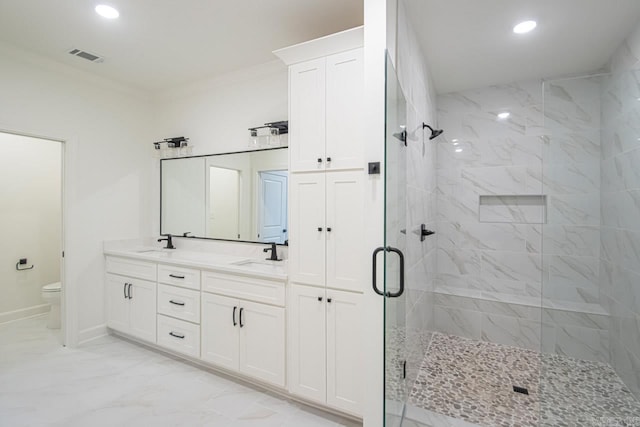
(52, 287)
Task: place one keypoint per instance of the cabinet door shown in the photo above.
(307, 116)
(344, 114)
(142, 310)
(307, 228)
(344, 351)
(117, 303)
(307, 348)
(345, 257)
(219, 343)
(262, 343)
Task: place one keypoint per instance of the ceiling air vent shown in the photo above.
(86, 55)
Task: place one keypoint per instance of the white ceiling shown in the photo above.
(160, 44)
(470, 43)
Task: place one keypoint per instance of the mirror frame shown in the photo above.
(209, 155)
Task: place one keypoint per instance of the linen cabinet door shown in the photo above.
(219, 331)
(344, 351)
(307, 228)
(345, 231)
(307, 345)
(117, 303)
(307, 116)
(262, 342)
(345, 106)
(142, 314)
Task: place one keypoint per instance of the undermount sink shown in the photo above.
(257, 263)
(149, 251)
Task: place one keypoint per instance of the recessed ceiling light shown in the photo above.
(524, 27)
(107, 11)
(504, 115)
(454, 140)
(458, 150)
(456, 143)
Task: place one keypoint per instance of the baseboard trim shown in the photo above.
(24, 313)
(90, 334)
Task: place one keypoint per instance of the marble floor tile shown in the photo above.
(112, 382)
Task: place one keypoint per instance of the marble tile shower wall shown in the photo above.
(501, 260)
(420, 160)
(620, 245)
(488, 272)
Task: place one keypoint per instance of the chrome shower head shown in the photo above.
(434, 132)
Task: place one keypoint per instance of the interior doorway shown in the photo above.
(31, 223)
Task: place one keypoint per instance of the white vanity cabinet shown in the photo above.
(326, 229)
(241, 335)
(131, 297)
(325, 112)
(325, 346)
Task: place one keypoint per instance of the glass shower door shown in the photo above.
(394, 247)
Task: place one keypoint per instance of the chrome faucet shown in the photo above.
(274, 253)
(169, 241)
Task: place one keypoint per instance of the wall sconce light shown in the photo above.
(269, 135)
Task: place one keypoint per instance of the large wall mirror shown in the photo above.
(234, 196)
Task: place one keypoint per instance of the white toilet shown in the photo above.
(51, 294)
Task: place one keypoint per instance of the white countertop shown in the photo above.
(257, 267)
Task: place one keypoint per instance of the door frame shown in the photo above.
(68, 301)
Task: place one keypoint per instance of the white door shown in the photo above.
(307, 228)
(142, 309)
(219, 329)
(344, 351)
(345, 106)
(117, 303)
(345, 258)
(307, 343)
(272, 208)
(307, 116)
(262, 342)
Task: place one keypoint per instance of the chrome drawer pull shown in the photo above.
(173, 334)
(176, 302)
(175, 276)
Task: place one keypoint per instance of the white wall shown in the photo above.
(30, 222)
(108, 159)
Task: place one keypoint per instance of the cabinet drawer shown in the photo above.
(178, 302)
(179, 336)
(179, 276)
(248, 288)
(132, 268)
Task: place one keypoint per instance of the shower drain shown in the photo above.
(522, 390)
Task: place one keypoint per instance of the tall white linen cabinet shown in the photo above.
(327, 260)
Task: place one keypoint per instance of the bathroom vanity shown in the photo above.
(230, 313)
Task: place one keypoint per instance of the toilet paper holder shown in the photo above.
(23, 261)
